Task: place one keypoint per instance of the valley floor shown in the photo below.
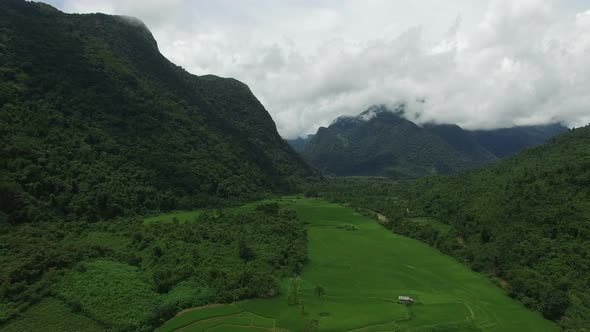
(364, 268)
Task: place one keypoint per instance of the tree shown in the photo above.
(293, 292)
(311, 325)
(554, 303)
(245, 252)
(319, 291)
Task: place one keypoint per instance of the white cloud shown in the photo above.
(480, 64)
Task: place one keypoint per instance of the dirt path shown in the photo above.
(382, 218)
(200, 308)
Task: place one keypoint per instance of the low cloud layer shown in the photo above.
(481, 64)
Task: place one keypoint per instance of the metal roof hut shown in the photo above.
(405, 299)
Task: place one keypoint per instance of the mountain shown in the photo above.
(524, 221)
(382, 142)
(299, 143)
(95, 123)
(507, 141)
(462, 141)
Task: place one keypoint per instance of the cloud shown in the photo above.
(481, 64)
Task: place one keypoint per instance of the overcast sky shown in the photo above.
(480, 64)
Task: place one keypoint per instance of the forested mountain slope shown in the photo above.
(381, 141)
(507, 141)
(96, 127)
(96, 123)
(524, 220)
(299, 143)
(462, 141)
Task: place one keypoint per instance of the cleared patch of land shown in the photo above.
(363, 269)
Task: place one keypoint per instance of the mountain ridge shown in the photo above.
(399, 148)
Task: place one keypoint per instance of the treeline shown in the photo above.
(148, 272)
(523, 221)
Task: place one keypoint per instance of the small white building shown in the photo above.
(405, 299)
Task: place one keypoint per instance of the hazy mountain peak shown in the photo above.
(381, 141)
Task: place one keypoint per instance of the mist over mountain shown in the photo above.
(299, 143)
(381, 141)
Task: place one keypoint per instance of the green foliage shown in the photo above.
(245, 252)
(132, 276)
(95, 123)
(115, 294)
(270, 208)
(186, 294)
(51, 314)
(523, 221)
(311, 325)
(319, 291)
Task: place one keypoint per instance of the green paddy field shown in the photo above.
(363, 269)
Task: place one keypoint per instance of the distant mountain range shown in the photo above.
(382, 142)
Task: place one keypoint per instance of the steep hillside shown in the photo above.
(507, 141)
(525, 221)
(299, 143)
(381, 142)
(96, 123)
(462, 141)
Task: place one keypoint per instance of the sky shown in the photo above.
(481, 64)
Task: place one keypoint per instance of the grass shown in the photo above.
(52, 315)
(363, 272)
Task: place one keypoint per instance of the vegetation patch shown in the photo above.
(131, 275)
(115, 294)
(180, 216)
(439, 226)
(348, 227)
(52, 314)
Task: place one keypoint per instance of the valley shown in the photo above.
(136, 196)
(363, 268)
